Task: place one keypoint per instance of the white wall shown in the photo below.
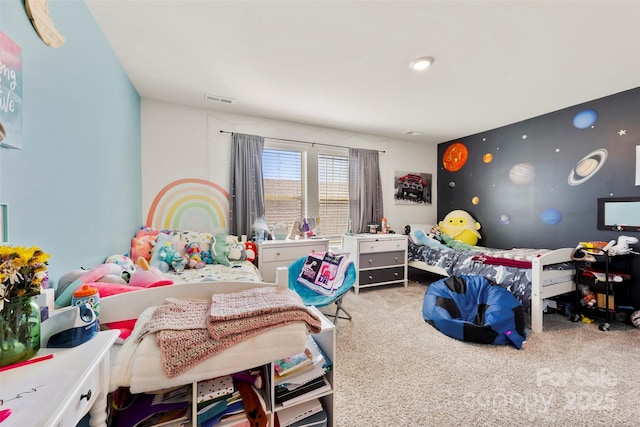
(180, 142)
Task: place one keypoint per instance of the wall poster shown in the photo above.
(10, 93)
(412, 188)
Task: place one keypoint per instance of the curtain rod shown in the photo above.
(302, 142)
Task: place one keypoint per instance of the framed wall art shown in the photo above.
(412, 188)
(10, 93)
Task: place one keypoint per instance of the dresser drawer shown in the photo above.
(385, 245)
(80, 404)
(290, 253)
(382, 259)
(393, 274)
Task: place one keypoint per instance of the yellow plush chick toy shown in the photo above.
(461, 226)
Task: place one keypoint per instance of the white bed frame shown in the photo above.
(544, 283)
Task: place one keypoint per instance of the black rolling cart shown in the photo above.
(603, 287)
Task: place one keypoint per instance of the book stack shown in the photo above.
(306, 414)
(303, 376)
(219, 402)
(167, 408)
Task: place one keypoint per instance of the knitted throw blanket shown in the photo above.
(183, 326)
(239, 312)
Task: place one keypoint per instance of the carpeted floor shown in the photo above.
(393, 369)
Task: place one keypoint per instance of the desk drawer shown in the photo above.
(386, 245)
(393, 274)
(84, 399)
(382, 259)
(290, 253)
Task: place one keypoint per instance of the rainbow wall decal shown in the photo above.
(190, 204)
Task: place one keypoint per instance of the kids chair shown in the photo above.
(312, 298)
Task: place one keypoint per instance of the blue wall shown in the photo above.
(74, 189)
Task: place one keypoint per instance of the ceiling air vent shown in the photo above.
(215, 98)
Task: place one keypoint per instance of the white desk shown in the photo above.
(60, 391)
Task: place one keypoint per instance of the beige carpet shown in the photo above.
(393, 369)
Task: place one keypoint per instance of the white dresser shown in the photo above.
(379, 259)
(280, 253)
(58, 392)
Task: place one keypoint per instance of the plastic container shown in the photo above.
(89, 295)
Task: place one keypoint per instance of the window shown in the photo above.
(284, 187)
(333, 186)
(306, 181)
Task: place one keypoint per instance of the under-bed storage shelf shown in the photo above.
(379, 259)
(326, 339)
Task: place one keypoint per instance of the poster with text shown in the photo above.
(10, 93)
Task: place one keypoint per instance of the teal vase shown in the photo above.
(19, 330)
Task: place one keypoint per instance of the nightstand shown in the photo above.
(61, 390)
(379, 259)
(280, 253)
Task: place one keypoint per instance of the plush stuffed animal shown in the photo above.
(237, 252)
(460, 225)
(142, 244)
(178, 263)
(127, 264)
(147, 276)
(206, 256)
(219, 249)
(162, 253)
(252, 251)
(193, 253)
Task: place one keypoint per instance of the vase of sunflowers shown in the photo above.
(23, 274)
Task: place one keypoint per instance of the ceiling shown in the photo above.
(345, 64)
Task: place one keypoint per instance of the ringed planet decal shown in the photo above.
(455, 157)
(190, 204)
(587, 167)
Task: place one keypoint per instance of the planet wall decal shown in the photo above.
(586, 167)
(585, 119)
(455, 157)
(522, 174)
(487, 158)
(504, 219)
(551, 216)
(475, 200)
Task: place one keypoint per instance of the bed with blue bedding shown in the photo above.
(530, 274)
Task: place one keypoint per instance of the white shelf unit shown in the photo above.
(380, 259)
(281, 253)
(326, 339)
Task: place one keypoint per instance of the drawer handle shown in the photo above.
(396, 259)
(277, 253)
(370, 261)
(370, 277)
(396, 274)
(88, 396)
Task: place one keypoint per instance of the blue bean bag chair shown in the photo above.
(470, 308)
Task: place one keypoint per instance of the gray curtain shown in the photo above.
(247, 188)
(365, 191)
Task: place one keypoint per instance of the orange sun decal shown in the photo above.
(455, 156)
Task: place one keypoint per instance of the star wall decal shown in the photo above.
(622, 132)
(524, 136)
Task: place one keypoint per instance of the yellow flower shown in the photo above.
(23, 271)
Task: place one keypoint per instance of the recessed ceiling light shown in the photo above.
(412, 133)
(422, 63)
